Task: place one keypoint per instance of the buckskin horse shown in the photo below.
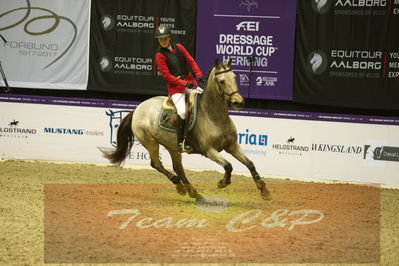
(213, 132)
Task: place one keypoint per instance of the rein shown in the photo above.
(222, 93)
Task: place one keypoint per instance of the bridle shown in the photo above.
(221, 92)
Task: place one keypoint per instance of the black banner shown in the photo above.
(122, 44)
(347, 53)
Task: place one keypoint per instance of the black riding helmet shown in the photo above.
(162, 32)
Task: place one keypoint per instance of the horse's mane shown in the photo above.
(207, 77)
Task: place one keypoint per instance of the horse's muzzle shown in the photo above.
(237, 105)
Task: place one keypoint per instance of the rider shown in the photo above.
(174, 63)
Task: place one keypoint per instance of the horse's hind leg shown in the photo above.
(153, 149)
(215, 156)
(178, 168)
(237, 153)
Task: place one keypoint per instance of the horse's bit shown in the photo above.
(222, 93)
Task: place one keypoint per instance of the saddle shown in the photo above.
(168, 117)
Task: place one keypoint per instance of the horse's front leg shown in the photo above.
(215, 156)
(237, 153)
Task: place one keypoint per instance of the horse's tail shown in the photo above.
(124, 142)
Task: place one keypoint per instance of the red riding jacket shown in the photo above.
(175, 84)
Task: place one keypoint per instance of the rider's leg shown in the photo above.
(180, 104)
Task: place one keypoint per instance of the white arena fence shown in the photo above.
(282, 143)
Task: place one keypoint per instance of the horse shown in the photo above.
(213, 132)
(13, 123)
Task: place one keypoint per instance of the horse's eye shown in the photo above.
(222, 82)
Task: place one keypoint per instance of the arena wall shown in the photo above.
(282, 143)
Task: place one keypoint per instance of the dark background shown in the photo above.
(311, 93)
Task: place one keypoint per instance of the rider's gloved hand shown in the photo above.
(189, 85)
(201, 80)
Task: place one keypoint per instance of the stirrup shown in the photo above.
(183, 147)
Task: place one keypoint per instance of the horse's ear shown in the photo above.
(216, 64)
(228, 64)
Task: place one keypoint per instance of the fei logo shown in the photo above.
(321, 6)
(251, 139)
(248, 26)
(317, 62)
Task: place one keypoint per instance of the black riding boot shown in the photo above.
(182, 144)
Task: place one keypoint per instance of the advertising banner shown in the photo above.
(46, 43)
(123, 47)
(300, 145)
(259, 38)
(347, 53)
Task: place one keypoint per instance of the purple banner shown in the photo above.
(257, 35)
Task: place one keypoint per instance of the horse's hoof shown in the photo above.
(260, 184)
(223, 183)
(181, 189)
(200, 199)
(194, 194)
(265, 194)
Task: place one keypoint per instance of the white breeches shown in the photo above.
(179, 101)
